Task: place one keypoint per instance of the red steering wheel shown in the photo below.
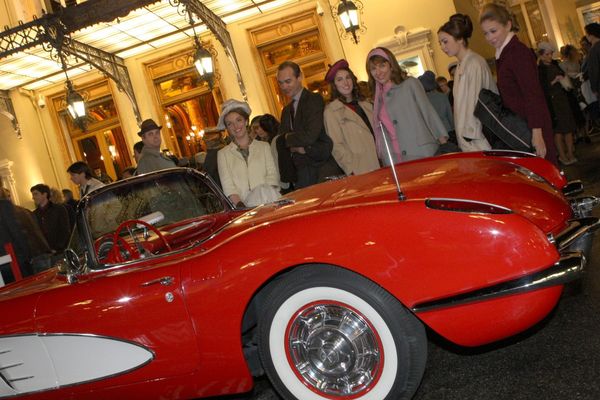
(133, 251)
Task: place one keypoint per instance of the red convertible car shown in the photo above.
(169, 292)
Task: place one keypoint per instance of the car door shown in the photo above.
(140, 305)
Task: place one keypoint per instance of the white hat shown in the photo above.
(547, 47)
(228, 106)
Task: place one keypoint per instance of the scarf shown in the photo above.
(381, 116)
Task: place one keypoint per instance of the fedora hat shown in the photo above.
(148, 125)
(428, 81)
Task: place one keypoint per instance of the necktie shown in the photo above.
(292, 113)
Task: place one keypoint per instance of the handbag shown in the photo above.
(511, 129)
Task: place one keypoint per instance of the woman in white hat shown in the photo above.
(246, 167)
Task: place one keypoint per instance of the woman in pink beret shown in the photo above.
(348, 121)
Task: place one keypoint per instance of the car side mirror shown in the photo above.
(73, 265)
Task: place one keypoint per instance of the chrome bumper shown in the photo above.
(568, 268)
(573, 188)
(578, 236)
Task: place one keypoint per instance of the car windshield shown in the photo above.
(152, 216)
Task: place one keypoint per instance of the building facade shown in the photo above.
(168, 89)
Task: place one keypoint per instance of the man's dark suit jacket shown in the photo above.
(308, 131)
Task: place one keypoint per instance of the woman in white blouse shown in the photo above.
(246, 168)
(472, 74)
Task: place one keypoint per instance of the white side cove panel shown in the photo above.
(32, 363)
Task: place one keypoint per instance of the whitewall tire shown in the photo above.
(329, 333)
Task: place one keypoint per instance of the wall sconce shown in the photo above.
(202, 58)
(348, 12)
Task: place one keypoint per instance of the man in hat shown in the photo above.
(151, 158)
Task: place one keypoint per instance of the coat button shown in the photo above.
(403, 152)
(395, 122)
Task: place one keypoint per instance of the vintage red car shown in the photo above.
(169, 292)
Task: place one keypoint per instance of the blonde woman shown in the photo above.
(246, 167)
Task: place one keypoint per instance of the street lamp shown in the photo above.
(202, 58)
(348, 12)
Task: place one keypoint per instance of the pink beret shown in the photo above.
(333, 69)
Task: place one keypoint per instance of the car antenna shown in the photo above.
(401, 195)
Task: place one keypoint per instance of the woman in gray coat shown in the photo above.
(402, 110)
(348, 119)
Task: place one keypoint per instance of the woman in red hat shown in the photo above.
(348, 121)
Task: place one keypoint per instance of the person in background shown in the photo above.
(40, 255)
(518, 82)
(303, 131)
(69, 199)
(56, 197)
(214, 142)
(11, 233)
(348, 121)
(472, 74)
(439, 101)
(137, 150)
(402, 110)
(246, 166)
(563, 120)
(592, 111)
(443, 87)
(571, 65)
(592, 32)
(81, 175)
(102, 176)
(128, 172)
(151, 158)
(451, 70)
(254, 126)
(53, 219)
(570, 61)
(267, 128)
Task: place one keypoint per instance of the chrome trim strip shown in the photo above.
(577, 227)
(568, 268)
(573, 188)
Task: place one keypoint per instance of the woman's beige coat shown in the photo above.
(239, 177)
(353, 144)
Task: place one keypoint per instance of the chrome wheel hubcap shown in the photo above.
(334, 349)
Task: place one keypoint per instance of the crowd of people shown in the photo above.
(364, 125)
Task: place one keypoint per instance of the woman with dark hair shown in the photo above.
(472, 74)
(246, 166)
(81, 174)
(564, 124)
(518, 81)
(401, 111)
(267, 127)
(253, 132)
(347, 121)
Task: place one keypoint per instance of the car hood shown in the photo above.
(475, 179)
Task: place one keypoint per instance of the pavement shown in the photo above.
(557, 359)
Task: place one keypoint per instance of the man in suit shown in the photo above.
(302, 132)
